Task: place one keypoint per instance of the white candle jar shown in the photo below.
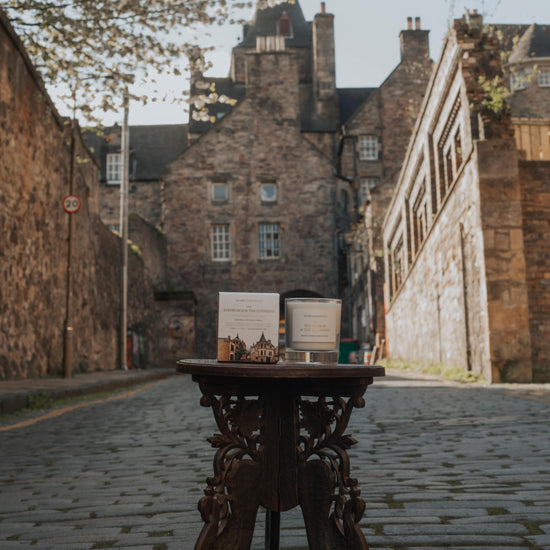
(312, 329)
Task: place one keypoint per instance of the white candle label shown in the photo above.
(313, 326)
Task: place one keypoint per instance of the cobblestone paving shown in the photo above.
(440, 466)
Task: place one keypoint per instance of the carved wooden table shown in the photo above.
(281, 443)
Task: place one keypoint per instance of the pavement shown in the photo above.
(16, 395)
(440, 465)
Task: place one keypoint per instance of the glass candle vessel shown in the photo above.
(312, 329)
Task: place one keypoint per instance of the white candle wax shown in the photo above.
(313, 325)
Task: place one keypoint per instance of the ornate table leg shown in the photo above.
(324, 475)
(232, 497)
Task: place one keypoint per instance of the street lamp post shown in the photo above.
(68, 331)
(125, 152)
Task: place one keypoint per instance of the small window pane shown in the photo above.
(544, 77)
(518, 80)
(284, 26)
(269, 192)
(221, 243)
(114, 168)
(219, 191)
(368, 148)
(268, 240)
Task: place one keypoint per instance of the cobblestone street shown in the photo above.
(441, 465)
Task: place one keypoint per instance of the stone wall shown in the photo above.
(456, 285)
(151, 242)
(429, 318)
(535, 202)
(505, 270)
(35, 160)
(144, 197)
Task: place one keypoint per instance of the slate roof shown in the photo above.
(534, 43)
(152, 148)
(350, 99)
(223, 86)
(264, 23)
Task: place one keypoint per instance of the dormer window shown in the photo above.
(284, 26)
(114, 168)
(519, 79)
(544, 77)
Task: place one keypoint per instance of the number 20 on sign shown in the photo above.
(71, 204)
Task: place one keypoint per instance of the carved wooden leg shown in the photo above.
(329, 498)
(232, 497)
(230, 516)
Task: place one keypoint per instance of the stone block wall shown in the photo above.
(430, 319)
(144, 197)
(455, 234)
(505, 268)
(535, 202)
(151, 242)
(35, 160)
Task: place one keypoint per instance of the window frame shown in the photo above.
(269, 241)
(544, 82)
(519, 80)
(220, 242)
(263, 197)
(219, 184)
(368, 147)
(285, 23)
(113, 170)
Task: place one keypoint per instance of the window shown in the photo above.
(420, 218)
(519, 80)
(398, 263)
(368, 148)
(114, 168)
(219, 192)
(114, 228)
(269, 192)
(221, 243)
(268, 234)
(366, 185)
(284, 26)
(544, 77)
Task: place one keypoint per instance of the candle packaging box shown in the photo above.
(248, 327)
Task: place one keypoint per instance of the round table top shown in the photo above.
(283, 369)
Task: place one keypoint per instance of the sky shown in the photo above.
(366, 37)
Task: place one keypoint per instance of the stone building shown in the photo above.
(267, 187)
(467, 234)
(250, 205)
(37, 304)
(152, 148)
(264, 351)
(373, 143)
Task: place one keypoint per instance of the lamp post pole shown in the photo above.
(125, 153)
(68, 331)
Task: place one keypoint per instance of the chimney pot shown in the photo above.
(417, 23)
(323, 7)
(475, 12)
(409, 23)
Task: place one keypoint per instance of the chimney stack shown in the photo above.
(414, 42)
(475, 20)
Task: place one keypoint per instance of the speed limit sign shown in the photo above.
(71, 204)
